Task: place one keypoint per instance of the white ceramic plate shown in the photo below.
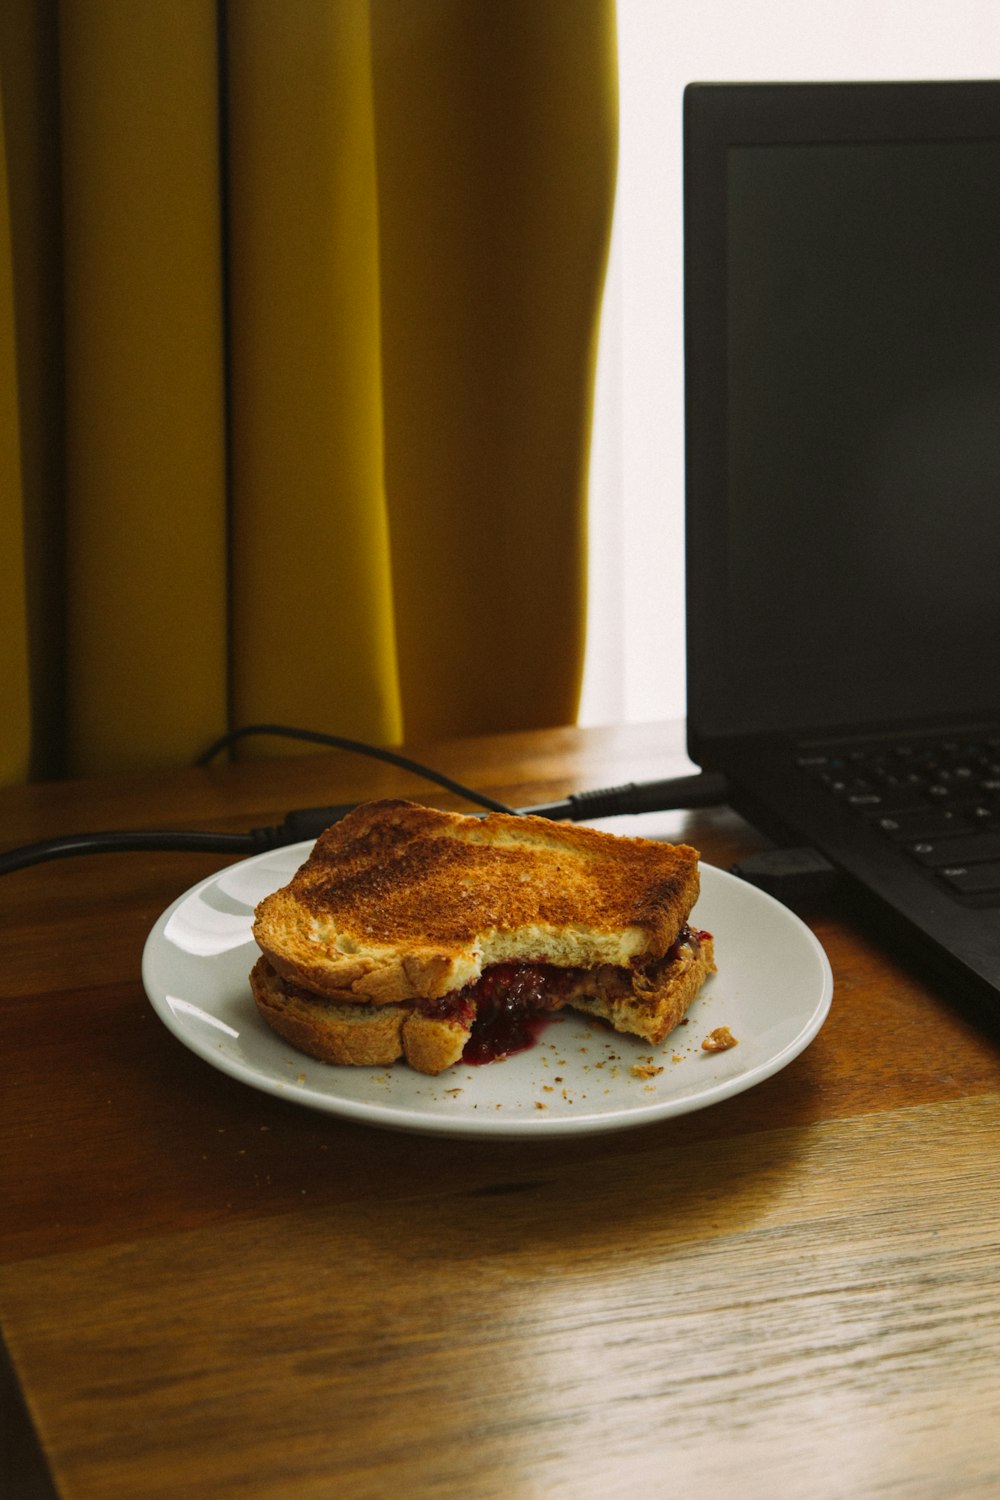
(773, 991)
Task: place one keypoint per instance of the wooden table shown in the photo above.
(208, 1291)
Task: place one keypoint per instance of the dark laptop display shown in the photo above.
(842, 329)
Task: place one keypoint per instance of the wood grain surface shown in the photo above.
(209, 1291)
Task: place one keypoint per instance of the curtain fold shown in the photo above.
(145, 450)
(14, 700)
(496, 163)
(297, 390)
(31, 488)
(312, 586)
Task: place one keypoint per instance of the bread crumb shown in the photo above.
(644, 1070)
(540, 1105)
(719, 1040)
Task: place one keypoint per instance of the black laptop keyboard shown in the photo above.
(937, 800)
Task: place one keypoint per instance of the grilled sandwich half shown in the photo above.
(426, 935)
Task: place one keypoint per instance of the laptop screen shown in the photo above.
(842, 289)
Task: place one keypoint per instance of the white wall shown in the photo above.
(635, 665)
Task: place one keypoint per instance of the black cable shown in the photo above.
(115, 842)
(359, 747)
(305, 823)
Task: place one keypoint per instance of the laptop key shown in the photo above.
(973, 880)
(888, 799)
(920, 823)
(974, 848)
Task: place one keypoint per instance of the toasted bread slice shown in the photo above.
(355, 1035)
(399, 902)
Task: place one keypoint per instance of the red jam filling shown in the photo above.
(514, 1004)
(509, 1005)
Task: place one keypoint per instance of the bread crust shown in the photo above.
(403, 902)
(654, 1011)
(353, 1035)
(361, 1036)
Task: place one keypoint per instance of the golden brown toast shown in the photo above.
(406, 925)
(400, 902)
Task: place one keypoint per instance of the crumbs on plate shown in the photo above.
(644, 1070)
(719, 1040)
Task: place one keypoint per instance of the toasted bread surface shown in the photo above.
(398, 901)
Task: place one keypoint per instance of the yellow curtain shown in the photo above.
(298, 315)
(31, 545)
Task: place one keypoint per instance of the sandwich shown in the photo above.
(411, 933)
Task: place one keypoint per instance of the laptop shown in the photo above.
(842, 394)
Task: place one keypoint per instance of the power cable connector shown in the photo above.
(703, 789)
